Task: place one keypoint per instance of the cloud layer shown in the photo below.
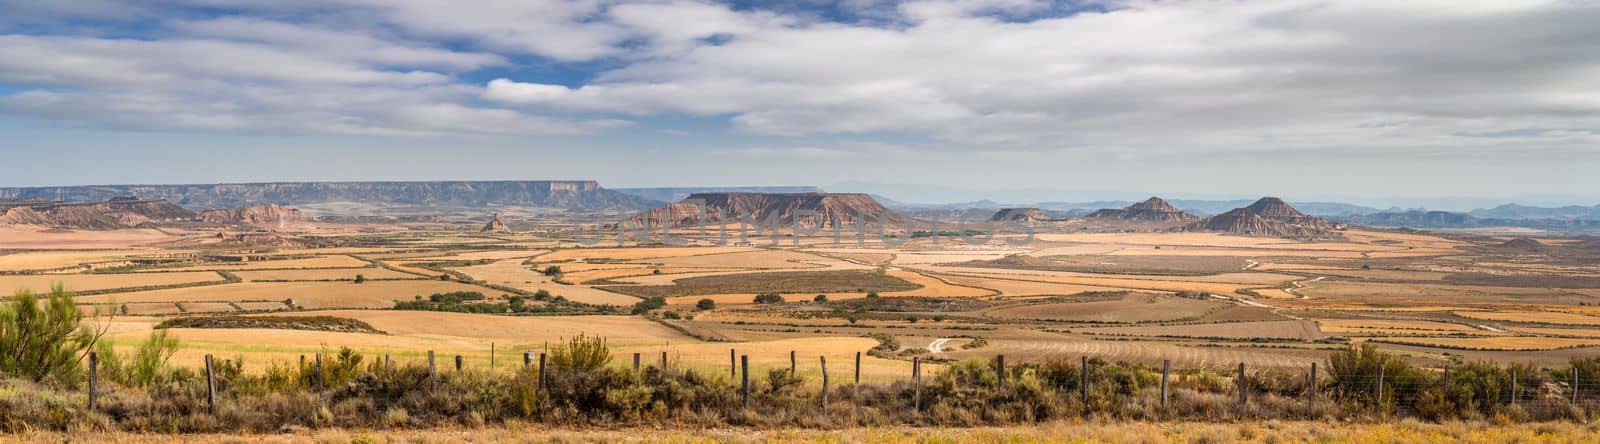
(1416, 77)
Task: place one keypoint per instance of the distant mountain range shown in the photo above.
(674, 194)
(555, 194)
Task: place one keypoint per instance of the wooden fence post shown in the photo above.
(1084, 383)
(733, 365)
(663, 361)
(858, 368)
(1379, 398)
(458, 363)
(1444, 380)
(527, 359)
(916, 383)
(1311, 401)
(491, 355)
(1513, 386)
(1000, 369)
(542, 376)
(744, 385)
(388, 364)
(1166, 369)
(824, 383)
(1244, 387)
(95, 379)
(432, 372)
(1575, 380)
(211, 387)
(636, 362)
(320, 402)
(792, 365)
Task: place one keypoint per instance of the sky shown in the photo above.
(1355, 100)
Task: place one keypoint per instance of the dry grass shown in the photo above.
(1135, 307)
(1385, 326)
(511, 273)
(332, 261)
(323, 274)
(93, 282)
(373, 294)
(1546, 317)
(1497, 343)
(1141, 283)
(632, 253)
(808, 282)
(1016, 288)
(1306, 330)
(47, 260)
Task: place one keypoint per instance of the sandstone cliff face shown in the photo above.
(260, 215)
(120, 212)
(571, 195)
(785, 208)
(1153, 209)
(1269, 216)
(1020, 215)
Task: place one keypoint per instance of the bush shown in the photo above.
(769, 298)
(705, 304)
(671, 315)
(361, 279)
(873, 295)
(820, 299)
(649, 304)
(44, 341)
(581, 353)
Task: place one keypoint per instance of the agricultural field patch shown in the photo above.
(511, 273)
(1513, 343)
(1540, 317)
(809, 282)
(324, 274)
(372, 294)
(1131, 307)
(1302, 330)
(1387, 326)
(95, 282)
(332, 261)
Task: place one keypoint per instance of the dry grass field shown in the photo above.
(324, 274)
(1303, 330)
(1525, 343)
(511, 273)
(1391, 327)
(1135, 307)
(372, 294)
(1541, 317)
(92, 282)
(330, 261)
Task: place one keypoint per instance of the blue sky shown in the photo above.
(1316, 99)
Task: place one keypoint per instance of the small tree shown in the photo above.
(361, 279)
(872, 294)
(541, 295)
(820, 299)
(705, 304)
(552, 270)
(44, 340)
(649, 304)
(769, 298)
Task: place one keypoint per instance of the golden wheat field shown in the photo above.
(1542, 317)
(91, 282)
(324, 274)
(372, 294)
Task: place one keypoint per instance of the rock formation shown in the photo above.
(1269, 216)
(1020, 215)
(118, 212)
(1153, 209)
(259, 215)
(814, 210)
(568, 195)
(495, 226)
(1523, 244)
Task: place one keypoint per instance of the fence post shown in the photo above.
(858, 368)
(1166, 369)
(733, 365)
(458, 363)
(541, 372)
(792, 373)
(1513, 386)
(95, 379)
(663, 361)
(432, 372)
(916, 382)
(1000, 364)
(1444, 380)
(1311, 401)
(824, 383)
(388, 364)
(1084, 383)
(527, 359)
(636, 361)
(320, 402)
(1575, 380)
(1244, 387)
(1379, 398)
(491, 355)
(744, 385)
(211, 387)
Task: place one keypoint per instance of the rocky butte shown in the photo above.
(813, 210)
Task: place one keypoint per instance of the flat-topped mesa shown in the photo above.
(561, 194)
(1269, 216)
(117, 212)
(1153, 209)
(257, 215)
(811, 209)
(495, 226)
(1020, 215)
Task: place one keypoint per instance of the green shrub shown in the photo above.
(705, 304)
(769, 298)
(44, 342)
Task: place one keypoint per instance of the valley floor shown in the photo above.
(1093, 431)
